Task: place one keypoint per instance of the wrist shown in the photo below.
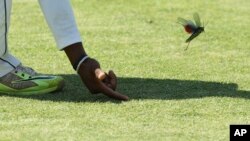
(76, 54)
(78, 63)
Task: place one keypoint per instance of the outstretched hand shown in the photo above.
(98, 81)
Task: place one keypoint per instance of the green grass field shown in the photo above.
(176, 95)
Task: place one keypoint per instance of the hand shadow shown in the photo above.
(144, 88)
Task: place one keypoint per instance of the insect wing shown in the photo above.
(197, 19)
(182, 21)
(185, 22)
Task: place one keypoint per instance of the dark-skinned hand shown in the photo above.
(98, 81)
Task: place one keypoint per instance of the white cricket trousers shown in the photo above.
(60, 18)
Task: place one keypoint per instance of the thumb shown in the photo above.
(100, 74)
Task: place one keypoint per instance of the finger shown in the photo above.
(113, 80)
(107, 83)
(100, 74)
(113, 94)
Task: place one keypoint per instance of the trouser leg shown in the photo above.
(60, 18)
(7, 61)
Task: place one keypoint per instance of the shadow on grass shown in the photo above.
(145, 88)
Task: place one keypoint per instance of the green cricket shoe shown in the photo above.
(25, 81)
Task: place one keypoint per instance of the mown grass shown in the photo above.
(175, 94)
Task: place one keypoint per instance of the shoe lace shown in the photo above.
(26, 70)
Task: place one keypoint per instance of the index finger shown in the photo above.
(113, 94)
(105, 89)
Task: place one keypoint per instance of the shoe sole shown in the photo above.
(57, 88)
